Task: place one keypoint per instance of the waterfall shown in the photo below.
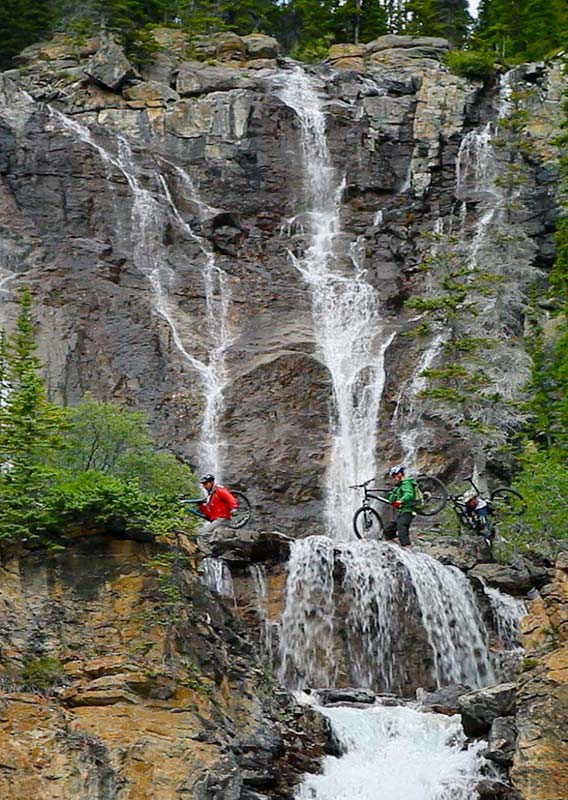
(381, 589)
(306, 628)
(407, 417)
(396, 753)
(258, 575)
(452, 621)
(507, 613)
(349, 333)
(149, 215)
(217, 576)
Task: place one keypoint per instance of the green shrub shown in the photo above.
(313, 51)
(93, 498)
(470, 64)
(41, 674)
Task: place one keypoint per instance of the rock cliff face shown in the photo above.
(540, 768)
(124, 676)
(155, 216)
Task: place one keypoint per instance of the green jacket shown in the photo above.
(406, 494)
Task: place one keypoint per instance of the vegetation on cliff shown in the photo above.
(510, 32)
(91, 465)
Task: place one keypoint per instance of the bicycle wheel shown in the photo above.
(367, 523)
(242, 514)
(507, 501)
(434, 493)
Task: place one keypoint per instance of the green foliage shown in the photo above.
(524, 30)
(313, 51)
(470, 64)
(447, 18)
(41, 674)
(22, 22)
(96, 465)
(114, 440)
(543, 483)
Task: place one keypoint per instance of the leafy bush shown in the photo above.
(114, 440)
(543, 483)
(41, 674)
(470, 64)
(313, 51)
(93, 498)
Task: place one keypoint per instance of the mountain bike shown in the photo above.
(502, 502)
(368, 523)
(239, 517)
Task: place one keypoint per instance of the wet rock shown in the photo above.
(478, 709)
(493, 789)
(227, 239)
(247, 546)
(502, 738)
(513, 579)
(340, 696)
(444, 700)
(110, 67)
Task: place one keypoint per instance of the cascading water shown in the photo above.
(258, 574)
(350, 335)
(306, 628)
(380, 588)
(507, 613)
(149, 214)
(217, 576)
(396, 754)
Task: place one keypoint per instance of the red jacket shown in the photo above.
(219, 504)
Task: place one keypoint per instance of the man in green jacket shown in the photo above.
(403, 499)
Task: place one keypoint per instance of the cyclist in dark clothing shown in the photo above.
(403, 499)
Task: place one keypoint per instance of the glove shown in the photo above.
(396, 503)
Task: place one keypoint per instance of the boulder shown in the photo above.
(345, 696)
(444, 700)
(513, 579)
(502, 738)
(229, 47)
(493, 789)
(110, 67)
(478, 709)
(392, 42)
(195, 78)
(247, 547)
(347, 56)
(149, 93)
(258, 45)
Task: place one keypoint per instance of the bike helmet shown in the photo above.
(207, 478)
(397, 469)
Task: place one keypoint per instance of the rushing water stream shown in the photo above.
(396, 754)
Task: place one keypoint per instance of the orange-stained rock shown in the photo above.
(540, 765)
(154, 682)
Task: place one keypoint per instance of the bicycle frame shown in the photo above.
(195, 511)
(460, 509)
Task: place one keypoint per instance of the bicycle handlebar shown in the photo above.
(362, 485)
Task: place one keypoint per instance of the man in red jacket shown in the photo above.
(218, 505)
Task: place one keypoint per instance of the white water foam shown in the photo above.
(396, 754)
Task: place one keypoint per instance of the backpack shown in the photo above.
(419, 499)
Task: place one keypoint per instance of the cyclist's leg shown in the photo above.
(209, 527)
(403, 522)
(485, 522)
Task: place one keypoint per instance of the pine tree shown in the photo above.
(447, 18)
(30, 426)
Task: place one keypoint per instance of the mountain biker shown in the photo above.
(478, 510)
(403, 500)
(218, 505)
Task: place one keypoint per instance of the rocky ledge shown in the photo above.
(122, 675)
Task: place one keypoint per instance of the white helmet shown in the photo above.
(396, 470)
